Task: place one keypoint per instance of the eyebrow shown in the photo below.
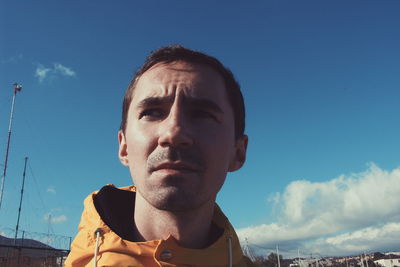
(154, 101)
(192, 101)
(204, 103)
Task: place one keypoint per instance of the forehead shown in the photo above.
(188, 79)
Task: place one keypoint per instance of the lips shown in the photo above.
(177, 166)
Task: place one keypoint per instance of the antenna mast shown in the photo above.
(17, 88)
(20, 201)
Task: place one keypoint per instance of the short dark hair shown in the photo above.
(169, 54)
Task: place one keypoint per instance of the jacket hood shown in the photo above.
(110, 212)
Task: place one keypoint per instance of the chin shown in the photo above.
(175, 199)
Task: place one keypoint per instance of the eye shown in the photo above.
(203, 114)
(151, 114)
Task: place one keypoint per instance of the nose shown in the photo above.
(175, 130)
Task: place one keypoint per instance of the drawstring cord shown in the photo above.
(229, 251)
(98, 232)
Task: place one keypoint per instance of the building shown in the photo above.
(389, 261)
(29, 252)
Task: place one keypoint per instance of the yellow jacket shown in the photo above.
(95, 236)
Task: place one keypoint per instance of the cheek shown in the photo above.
(140, 145)
(219, 153)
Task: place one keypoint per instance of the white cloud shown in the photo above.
(54, 219)
(63, 70)
(374, 238)
(316, 215)
(59, 219)
(58, 69)
(41, 72)
(51, 189)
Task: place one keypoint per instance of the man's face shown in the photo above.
(179, 141)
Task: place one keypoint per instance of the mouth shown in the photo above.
(176, 167)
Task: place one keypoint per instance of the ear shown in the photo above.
(123, 149)
(240, 154)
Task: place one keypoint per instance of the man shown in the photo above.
(182, 130)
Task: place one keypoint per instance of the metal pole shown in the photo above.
(362, 262)
(298, 255)
(277, 255)
(20, 201)
(17, 88)
(366, 260)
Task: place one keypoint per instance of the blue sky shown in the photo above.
(321, 81)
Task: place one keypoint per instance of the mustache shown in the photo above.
(190, 156)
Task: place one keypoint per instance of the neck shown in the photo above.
(192, 229)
